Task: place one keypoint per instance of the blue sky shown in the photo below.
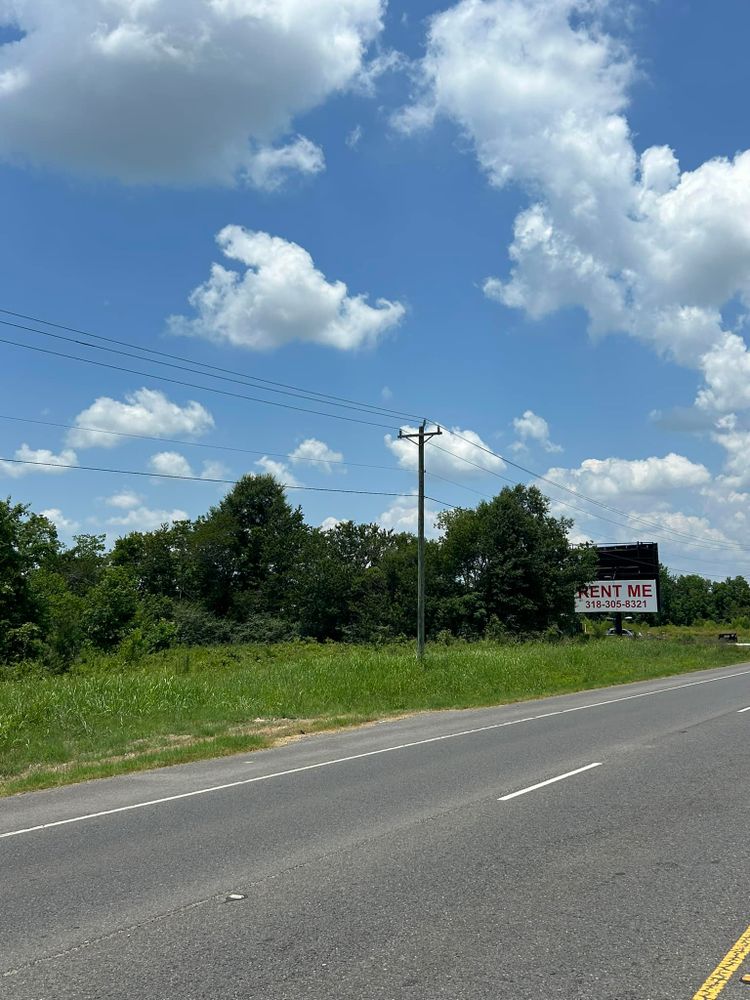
(398, 150)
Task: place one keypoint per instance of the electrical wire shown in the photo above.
(210, 479)
(199, 444)
(489, 496)
(709, 543)
(247, 379)
(193, 385)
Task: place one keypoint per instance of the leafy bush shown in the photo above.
(195, 626)
(264, 628)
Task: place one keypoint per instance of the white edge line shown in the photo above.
(744, 710)
(360, 756)
(549, 781)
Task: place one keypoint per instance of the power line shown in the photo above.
(713, 543)
(327, 399)
(199, 444)
(489, 496)
(600, 503)
(208, 479)
(312, 461)
(192, 385)
(248, 379)
(185, 368)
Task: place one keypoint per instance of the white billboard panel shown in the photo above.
(617, 595)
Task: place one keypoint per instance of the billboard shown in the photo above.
(627, 579)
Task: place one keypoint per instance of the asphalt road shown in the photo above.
(389, 862)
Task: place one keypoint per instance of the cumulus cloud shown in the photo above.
(444, 454)
(146, 412)
(531, 427)
(540, 90)
(270, 167)
(280, 472)
(316, 452)
(279, 298)
(46, 461)
(172, 463)
(146, 518)
(617, 477)
(329, 523)
(124, 500)
(402, 515)
(65, 525)
(177, 91)
(735, 440)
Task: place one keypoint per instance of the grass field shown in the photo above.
(107, 717)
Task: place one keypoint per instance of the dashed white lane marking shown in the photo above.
(549, 781)
(360, 756)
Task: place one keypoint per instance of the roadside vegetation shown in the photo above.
(109, 714)
(247, 625)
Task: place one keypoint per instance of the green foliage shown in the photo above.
(27, 542)
(246, 551)
(111, 608)
(116, 711)
(251, 571)
(82, 565)
(513, 557)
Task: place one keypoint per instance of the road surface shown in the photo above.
(397, 861)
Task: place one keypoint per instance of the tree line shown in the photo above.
(251, 570)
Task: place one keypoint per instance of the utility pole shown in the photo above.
(421, 436)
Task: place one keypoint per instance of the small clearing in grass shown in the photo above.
(108, 716)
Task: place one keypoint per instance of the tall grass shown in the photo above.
(183, 704)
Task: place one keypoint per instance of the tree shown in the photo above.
(111, 607)
(246, 551)
(513, 558)
(81, 565)
(159, 560)
(731, 598)
(691, 600)
(27, 542)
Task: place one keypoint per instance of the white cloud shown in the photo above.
(540, 90)
(735, 440)
(437, 457)
(213, 469)
(317, 452)
(176, 91)
(726, 368)
(147, 519)
(354, 137)
(280, 297)
(63, 524)
(124, 500)
(702, 543)
(618, 477)
(402, 515)
(280, 472)
(329, 523)
(48, 461)
(146, 412)
(531, 427)
(172, 463)
(269, 167)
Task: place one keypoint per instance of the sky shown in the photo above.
(527, 220)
